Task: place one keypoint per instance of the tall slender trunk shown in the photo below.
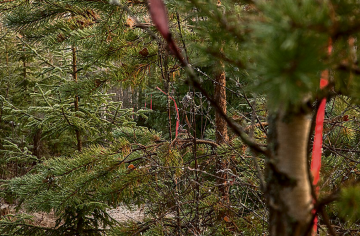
(76, 99)
(37, 143)
(167, 89)
(289, 189)
(164, 64)
(221, 133)
(197, 188)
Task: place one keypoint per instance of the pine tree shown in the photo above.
(272, 53)
(285, 60)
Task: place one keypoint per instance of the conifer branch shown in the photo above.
(38, 55)
(234, 126)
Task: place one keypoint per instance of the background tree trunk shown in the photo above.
(221, 133)
(37, 143)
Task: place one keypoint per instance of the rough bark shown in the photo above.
(221, 134)
(221, 131)
(289, 189)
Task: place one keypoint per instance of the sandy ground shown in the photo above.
(120, 214)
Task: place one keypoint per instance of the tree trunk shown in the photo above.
(289, 189)
(221, 134)
(37, 143)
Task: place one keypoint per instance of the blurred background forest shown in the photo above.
(96, 112)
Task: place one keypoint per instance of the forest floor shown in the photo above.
(43, 219)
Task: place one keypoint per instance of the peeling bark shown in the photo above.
(289, 189)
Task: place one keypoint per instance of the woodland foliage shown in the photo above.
(97, 112)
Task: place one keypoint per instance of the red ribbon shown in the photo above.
(151, 102)
(159, 17)
(317, 146)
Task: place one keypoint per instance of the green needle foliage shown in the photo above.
(68, 147)
(80, 188)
